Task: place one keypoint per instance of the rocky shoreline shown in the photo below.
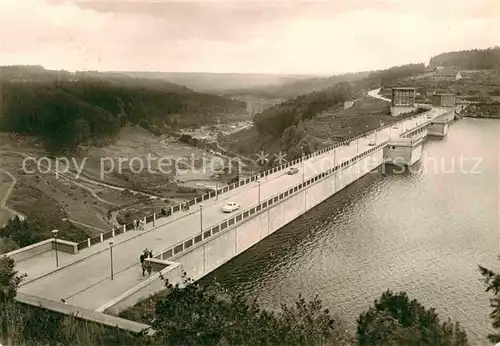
(484, 110)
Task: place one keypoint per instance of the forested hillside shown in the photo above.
(475, 59)
(284, 127)
(275, 120)
(65, 112)
(298, 87)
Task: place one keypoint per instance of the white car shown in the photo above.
(230, 207)
(371, 143)
(395, 127)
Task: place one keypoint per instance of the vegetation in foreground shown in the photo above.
(20, 233)
(208, 315)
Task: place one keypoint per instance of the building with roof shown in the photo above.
(443, 100)
(446, 73)
(402, 100)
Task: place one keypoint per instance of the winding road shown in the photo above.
(3, 202)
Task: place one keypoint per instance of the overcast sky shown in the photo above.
(241, 36)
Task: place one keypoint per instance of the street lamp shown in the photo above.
(201, 218)
(111, 257)
(258, 182)
(303, 173)
(216, 187)
(54, 232)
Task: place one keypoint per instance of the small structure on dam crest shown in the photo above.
(402, 100)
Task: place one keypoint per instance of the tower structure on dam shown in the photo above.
(402, 100)
(443, 100)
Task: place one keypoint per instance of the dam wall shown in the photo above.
(229, 239)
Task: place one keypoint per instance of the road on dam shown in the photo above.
(87, 283)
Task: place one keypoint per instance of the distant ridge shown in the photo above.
(216, 82)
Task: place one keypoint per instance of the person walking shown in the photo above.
(142, 258)
(148, 265)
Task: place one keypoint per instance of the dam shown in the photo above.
(103, 276)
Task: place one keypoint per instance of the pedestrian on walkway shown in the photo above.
(135, 224)
(148, 264)
(142, 259)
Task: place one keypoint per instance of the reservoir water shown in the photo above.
(423, 232)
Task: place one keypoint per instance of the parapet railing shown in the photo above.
(177, 208)
(228, 223)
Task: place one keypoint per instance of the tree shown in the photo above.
(9, 280)
(492, 282)
(208, 315)
(396, 320)
(22, 232)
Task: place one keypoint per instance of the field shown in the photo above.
(97, 202)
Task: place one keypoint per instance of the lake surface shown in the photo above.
(423, 232)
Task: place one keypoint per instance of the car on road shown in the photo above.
(229, 207)
(429, 116)
(371, 143)
(396, 126)
(293, 170)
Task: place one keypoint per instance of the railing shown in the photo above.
(177, 208)
(248, 213)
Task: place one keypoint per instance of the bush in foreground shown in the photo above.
(492, 282)
(208, 315)
(396, 320)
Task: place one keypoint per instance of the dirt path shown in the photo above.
(3, 202)
(85, 225)
(71, 179)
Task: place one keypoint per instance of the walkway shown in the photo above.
(86, 283)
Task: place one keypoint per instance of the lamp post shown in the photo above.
(258, 182)
(54, 232)
(303, 173)
(111, 258)
(201, 218)
(216, 187)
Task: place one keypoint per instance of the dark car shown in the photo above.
(293, 170)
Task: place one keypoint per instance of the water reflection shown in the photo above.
(423, 231)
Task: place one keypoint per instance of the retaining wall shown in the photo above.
(208, 255)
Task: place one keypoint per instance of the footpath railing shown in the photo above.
(177, 208)
(207, 233)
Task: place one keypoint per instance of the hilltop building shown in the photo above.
(447, 74)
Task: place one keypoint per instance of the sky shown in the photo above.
(283, 37)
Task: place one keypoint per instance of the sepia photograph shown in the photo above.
(247, 172)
